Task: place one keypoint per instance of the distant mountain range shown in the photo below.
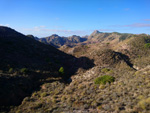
(97, 36)
(58, 41)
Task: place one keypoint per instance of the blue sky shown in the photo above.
(75, 17)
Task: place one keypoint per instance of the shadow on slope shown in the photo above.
(15, 88)
(42, 61)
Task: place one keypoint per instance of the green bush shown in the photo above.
(24, 70)
(104, 79)
(61, 71)
(147, 45)
(11, 70)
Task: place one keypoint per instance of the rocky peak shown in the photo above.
(96, 32)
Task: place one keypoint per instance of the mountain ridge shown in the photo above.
(74, 40)
(59, 41)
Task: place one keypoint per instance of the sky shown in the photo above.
(43, 18)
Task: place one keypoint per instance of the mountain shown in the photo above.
(26, 63)
(20, 58)
(98, 40)
(58, 41)
(106, 73)
(20, 51)
(95, 37)
(96, 32)
(118, 82)
(76, 39)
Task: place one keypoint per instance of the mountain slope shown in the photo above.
(95, 37)
(18, 51)
(58, 41)
(26, 63)
(128, 93)
(20, 58)
(123, 57)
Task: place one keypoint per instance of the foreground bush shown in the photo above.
(147, 45)
(61, 71)
(11, 70)
(104, 79)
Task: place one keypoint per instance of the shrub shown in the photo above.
(147, 45)
(104, 79)
(24, 70)
(11, 70)
(61, 71)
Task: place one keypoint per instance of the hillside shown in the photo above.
(129, 92)
(19, 51)
(109, 72)
(97, 40)
(26, 63)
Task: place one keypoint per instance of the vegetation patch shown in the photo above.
(104, 79)
(147, 45)
(11, 70)
(61, 71)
